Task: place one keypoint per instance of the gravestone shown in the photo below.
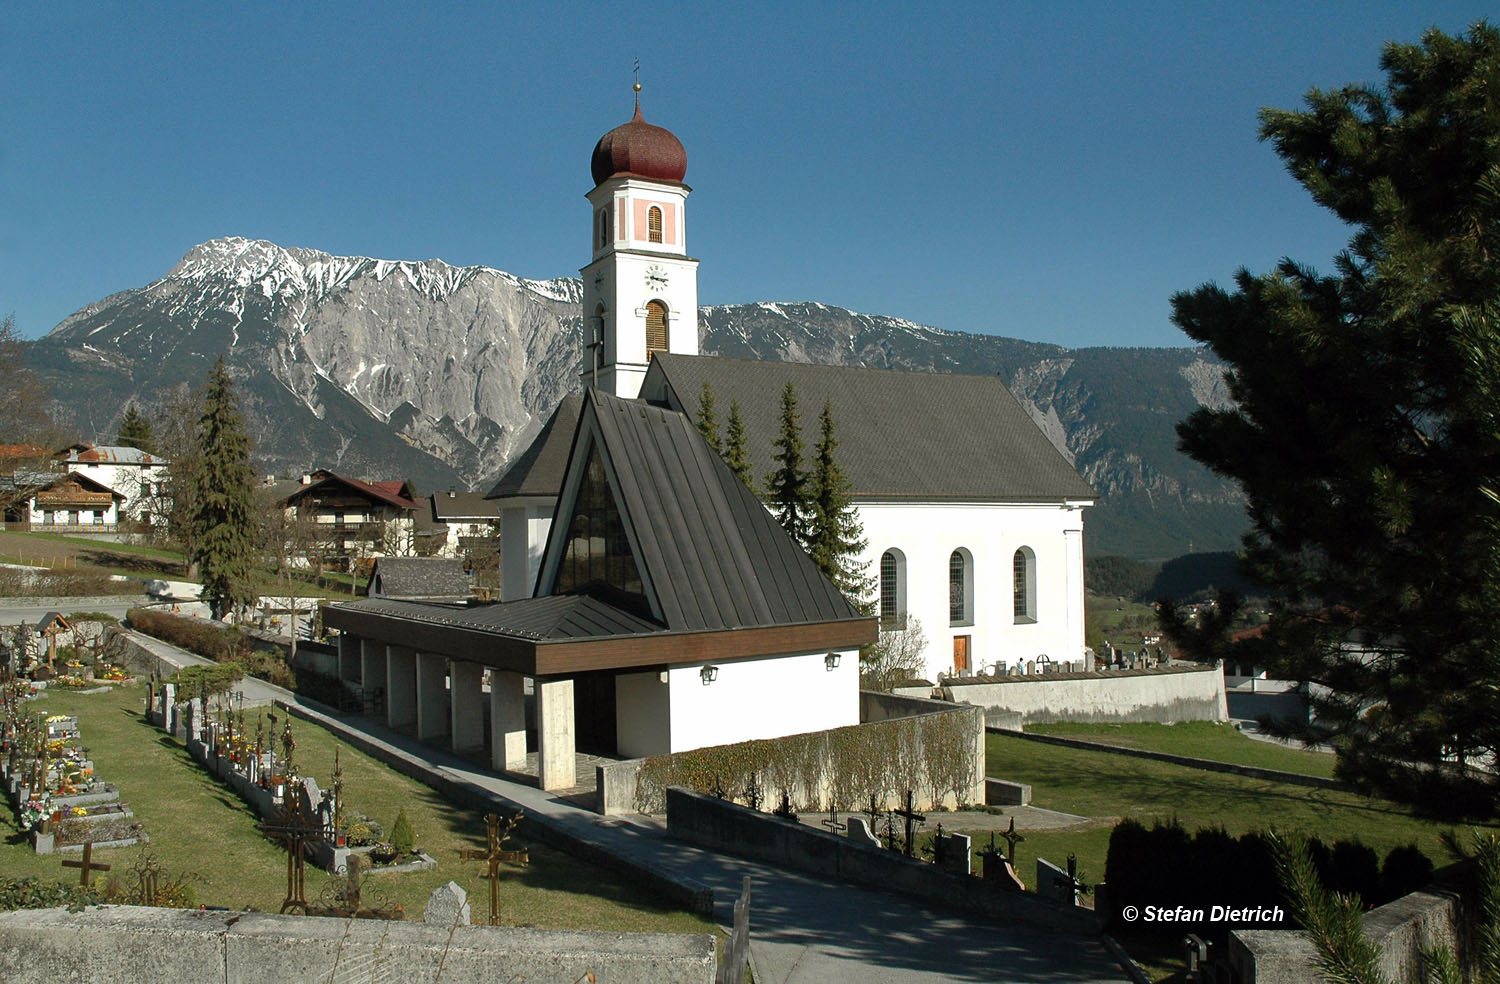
(168, 702)
(307, 790)
(954, 852)
(1054, 883)
(193, 720)
(859, 832)
(448, 906)
(1030, 667)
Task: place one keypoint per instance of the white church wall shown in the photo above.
(642, 715)
(927, 534)
(524, 524)
(762, 698)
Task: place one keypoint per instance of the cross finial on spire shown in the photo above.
(637, 85)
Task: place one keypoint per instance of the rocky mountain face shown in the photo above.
(392, 369)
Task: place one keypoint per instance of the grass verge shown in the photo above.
(1199, 739)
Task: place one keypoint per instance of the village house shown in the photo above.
(343, 523)
(142, 478)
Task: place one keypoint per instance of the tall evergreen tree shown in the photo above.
(835, 537)
(735, 454)
(1365, 430)
(787, 485)
(223, 526)
(135, 431)
(708, 420)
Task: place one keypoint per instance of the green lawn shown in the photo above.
(199, 826)
(1199, 739)
(1121, 622)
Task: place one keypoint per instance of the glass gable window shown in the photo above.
(597, 560)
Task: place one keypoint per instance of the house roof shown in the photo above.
(901, 435)
(109, 454)
(372, 491)
(552, 618)
(46, 481)
(712, 555)
(539, 469)
(448, 507)
(418, 578)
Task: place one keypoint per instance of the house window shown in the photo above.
(1024, 564)
(656, 328)
(892, 590)
(653, 224)
(960, 593)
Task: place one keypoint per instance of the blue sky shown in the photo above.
(1044, 171)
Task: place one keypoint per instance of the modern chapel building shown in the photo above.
(652, 601)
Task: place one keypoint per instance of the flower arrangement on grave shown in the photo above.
(383, 852)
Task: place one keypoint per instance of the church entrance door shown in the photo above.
(960, 655)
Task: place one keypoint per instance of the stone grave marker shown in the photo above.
(1054, 883)
(953, 854)
(859, 832)
(448, 906)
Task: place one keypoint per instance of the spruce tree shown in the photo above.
(735, 454)
(708, 420)
(135, 431)
(1364, 428)
(835, 537)
(787, 485)
(223, 527)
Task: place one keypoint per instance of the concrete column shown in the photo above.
(372, 668)
(556, 767)
(432, 696)
(351, 664)
(401, 687)
(507, 720)
(466, 705)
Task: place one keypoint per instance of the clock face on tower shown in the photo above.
(656, 277)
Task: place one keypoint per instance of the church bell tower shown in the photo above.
(640, 292)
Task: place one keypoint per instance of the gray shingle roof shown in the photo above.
(419, 577)
(714, 557)
(540, 468)
(901, 435)
(450, 507)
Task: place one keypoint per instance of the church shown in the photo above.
(973, 520)
(650, 603)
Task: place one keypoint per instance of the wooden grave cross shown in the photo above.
(493, 856)
(912, 817)
(1012, 838)
(832, 823)
(88, 864)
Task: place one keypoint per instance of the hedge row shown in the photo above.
(1166, 866)
(216, 642)
(936, 756)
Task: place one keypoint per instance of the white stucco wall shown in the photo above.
(642, 715)
(761, 698)
(523, 536)
(928, 533)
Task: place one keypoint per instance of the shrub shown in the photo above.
(402, 838)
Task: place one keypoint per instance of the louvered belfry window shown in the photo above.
(653, 224)
(656, 328)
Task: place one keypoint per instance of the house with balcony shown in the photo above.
(340, 522)
(49, 502)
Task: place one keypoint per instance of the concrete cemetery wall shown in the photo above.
(732, 829)
(132, 943)
(1162, 696)
(1401, 931)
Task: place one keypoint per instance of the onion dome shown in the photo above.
(640, 150)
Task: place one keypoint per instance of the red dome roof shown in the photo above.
(640, 149)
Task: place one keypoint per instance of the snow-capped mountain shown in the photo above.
(392, 369)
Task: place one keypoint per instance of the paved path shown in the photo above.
(802, 929)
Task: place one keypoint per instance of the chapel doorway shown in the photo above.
(961, 655)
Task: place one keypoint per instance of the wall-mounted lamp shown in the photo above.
(709, 674)
(831, 661)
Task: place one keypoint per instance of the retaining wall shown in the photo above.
(133, 943)
(1401, 931)
(1161, 696)
(728, 828)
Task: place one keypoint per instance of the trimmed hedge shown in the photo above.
(216, 642)
(933, 755)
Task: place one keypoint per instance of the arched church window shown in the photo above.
(960, 591)
(1024, 564)
(892, 590)
(653, 224)
(656, 328)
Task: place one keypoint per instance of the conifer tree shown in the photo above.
(735, 454)
(135, 431)
(708, 420)
(223, 529)
(835, 537)
(1364, 429)
(787, 485)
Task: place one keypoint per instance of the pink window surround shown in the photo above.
(668, 221)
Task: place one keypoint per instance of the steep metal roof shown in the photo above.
(714, 557)
(901, 435)
(555, 617)
(539, 470)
